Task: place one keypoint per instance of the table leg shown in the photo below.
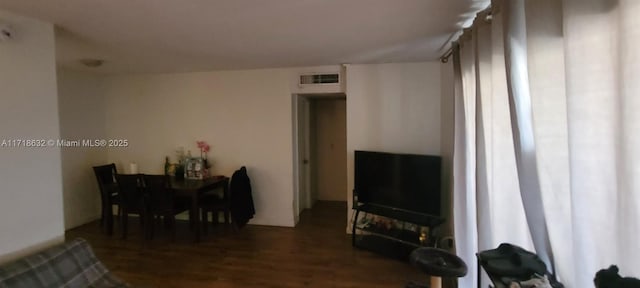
(109, 223)
(195, 220)
(107, 217)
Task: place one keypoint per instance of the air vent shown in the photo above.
(310, 79)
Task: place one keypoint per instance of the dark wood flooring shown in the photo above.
(316, 253)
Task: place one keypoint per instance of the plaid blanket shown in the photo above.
(71, 265)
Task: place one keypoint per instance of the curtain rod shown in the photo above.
(445, 56)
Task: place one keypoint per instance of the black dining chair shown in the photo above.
(236, 203)
(105, 175)
(241, 200)
(162, 202)
(132, 201)
(215, 203)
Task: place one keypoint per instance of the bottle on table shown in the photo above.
(166, 165)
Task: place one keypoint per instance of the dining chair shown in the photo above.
(132, 201)
(241, 206)
(215, 203)
(162, 202)
(105, 175)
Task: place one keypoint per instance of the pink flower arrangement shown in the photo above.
(203, 146)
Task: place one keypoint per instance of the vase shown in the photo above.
(205, 168)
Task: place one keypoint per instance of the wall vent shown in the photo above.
(318, 79)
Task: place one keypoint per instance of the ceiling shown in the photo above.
(164, 36)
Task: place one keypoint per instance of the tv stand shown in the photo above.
(391, 231)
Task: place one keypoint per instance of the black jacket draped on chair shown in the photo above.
(242, 208)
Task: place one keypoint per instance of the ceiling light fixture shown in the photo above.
(6, 32)
(92, 62)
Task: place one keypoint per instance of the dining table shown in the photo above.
(193, 189)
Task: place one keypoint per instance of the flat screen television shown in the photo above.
(403, 181)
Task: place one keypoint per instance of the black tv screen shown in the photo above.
(404, 181)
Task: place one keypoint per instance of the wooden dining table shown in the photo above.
(193, 189)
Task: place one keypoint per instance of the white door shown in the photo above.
(329, 152)
(306, 201)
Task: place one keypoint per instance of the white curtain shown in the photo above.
(464, 201)
(602, 62)
(563, 77)
(545, 63)
(508, 221)
(516, 59)
(487, 202)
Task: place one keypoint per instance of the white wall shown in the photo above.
(31, 191)
(244, 115)
(392, 108)
(82, 116)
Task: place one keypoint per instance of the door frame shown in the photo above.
(302, 191)
(301, 147)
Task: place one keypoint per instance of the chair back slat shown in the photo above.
(105, 175)
(159, 191)
(131, 191)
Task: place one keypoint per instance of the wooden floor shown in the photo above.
(316, 253)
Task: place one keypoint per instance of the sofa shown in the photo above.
(72, 264)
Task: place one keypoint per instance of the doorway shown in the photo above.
(320, 150)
